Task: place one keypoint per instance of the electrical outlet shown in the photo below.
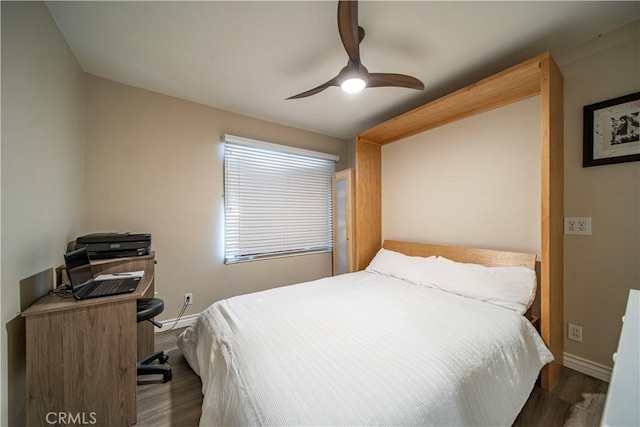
(574, 332)
(188, 298)
(577, 225)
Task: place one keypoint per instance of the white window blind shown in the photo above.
(277, 200)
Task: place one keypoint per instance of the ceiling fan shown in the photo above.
(354, 76)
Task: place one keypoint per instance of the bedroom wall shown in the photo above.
(442, 164)
(600, 269)
(42, 175)
(154, 164)
(474, 182)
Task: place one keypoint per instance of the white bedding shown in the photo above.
(362, 349)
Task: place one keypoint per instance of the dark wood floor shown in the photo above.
(576, 401)
(178, 402)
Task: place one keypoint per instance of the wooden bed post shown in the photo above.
(551, 281)
(368, 226)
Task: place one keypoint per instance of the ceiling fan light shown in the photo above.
(353, 85)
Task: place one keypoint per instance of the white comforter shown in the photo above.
(362, 349)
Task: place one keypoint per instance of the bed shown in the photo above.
(400, 343)
(539, 75)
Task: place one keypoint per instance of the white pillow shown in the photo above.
(509, 287)
(394, 264)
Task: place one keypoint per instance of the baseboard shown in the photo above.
(587, 367)
(182, 323)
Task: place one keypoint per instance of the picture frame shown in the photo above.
(611, 131)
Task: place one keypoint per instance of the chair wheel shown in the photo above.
(163, 359)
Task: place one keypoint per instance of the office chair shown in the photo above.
(147, 308)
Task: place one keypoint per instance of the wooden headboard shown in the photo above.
(486, 257)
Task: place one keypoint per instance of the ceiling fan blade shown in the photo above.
(360, 34)
(317, 89)
(394, 80)
(348, 28)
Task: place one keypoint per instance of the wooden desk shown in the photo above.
(81, 355)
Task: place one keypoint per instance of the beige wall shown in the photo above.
(444, 164)
(601, 268)
(154, 164)
(42, 174)
(474, 182)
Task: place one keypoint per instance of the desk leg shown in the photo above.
(82, 363)
(146, 338)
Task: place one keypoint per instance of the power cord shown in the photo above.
(62, 291)
(184, 307)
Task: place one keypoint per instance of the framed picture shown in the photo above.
(611, 131)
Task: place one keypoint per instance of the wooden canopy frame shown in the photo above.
(539, 75)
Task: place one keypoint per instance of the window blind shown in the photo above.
(277, 200)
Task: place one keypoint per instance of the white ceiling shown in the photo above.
(247, 57)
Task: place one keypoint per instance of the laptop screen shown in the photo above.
(78, 267)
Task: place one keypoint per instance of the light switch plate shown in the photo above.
(577, 225)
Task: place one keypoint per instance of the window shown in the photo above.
(277, 200)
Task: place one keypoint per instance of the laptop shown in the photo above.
(85, 286)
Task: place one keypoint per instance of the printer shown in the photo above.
(115, 245)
